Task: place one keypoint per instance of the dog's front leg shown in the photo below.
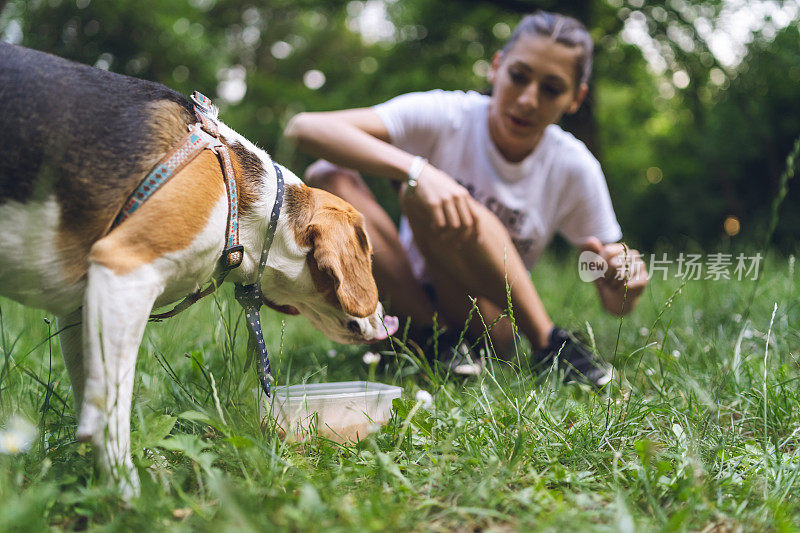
(115, 312)
(71, 341)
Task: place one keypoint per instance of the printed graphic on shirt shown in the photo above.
(513, 219)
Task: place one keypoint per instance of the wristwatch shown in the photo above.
(413, 173)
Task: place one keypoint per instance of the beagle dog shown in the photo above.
(77, 141)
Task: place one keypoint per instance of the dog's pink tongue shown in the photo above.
(389, 327)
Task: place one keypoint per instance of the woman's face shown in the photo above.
(534, 85)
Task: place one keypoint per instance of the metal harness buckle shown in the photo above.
(232, 257)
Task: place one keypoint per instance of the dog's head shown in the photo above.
(321, 268)
(320, 263)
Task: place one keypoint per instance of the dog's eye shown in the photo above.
(354, 327)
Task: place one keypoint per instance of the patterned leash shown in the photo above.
(250, 298)
(205, 135)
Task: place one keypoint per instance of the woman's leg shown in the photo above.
(476, 267)
(390, 265)
(455, 304)
(482, 265)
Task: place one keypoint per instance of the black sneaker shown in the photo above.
(576, 360)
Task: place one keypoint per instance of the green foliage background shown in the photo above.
(701, 433)
(720, 147)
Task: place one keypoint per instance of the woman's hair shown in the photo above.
(562, 29)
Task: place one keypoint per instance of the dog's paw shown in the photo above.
(128, 485)
(117, 469)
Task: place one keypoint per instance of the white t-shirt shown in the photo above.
(559, 187)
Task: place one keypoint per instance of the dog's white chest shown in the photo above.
(187, 270)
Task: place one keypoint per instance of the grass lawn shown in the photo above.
(700, 433)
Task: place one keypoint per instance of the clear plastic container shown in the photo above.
(341, 411)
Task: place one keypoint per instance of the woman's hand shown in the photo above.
(442, 202)
(625, 267)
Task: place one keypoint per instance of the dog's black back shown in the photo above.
(73, 130)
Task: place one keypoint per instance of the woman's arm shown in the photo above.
(353, 138)
(358, 138)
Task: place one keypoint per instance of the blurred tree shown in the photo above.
(751, 127)
(681, 149)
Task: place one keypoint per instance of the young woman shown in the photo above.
(486, 181)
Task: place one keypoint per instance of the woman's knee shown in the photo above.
(488, 231)
(332, 178)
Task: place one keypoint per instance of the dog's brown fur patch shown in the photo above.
(168, 123)
(169, 220)
(299, 206)
(168, 126)
(78, 231)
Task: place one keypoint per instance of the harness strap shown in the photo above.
(234, 252)
(190, 300)
(190, 147)
(207, 121)
(205, 135)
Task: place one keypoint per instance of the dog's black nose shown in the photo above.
(354, 327)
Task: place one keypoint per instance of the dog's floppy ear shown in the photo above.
(342, 252)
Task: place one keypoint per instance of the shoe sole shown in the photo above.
(467, 369)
